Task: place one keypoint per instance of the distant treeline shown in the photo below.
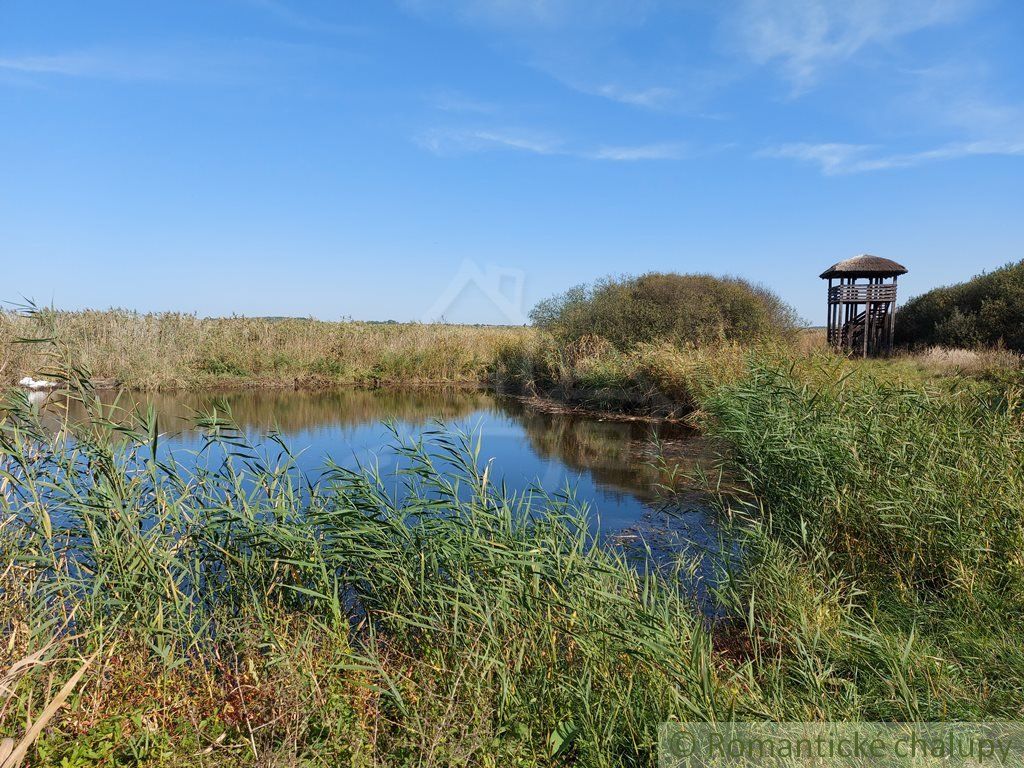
(985, 311)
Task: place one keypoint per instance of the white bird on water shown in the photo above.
(37, 384)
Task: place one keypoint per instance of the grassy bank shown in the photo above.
(168, 352)
(657, 380)
(663, 380)
(177, 351)
(235, 616)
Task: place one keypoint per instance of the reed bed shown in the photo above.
(884, 526)
(170, 350)
(159, 352)
(240, 614)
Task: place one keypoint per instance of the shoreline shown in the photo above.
(579, 404)
(552, 404)
(249, 385)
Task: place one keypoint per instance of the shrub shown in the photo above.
(681, 309)
(985, 311)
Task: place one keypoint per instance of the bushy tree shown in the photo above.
(984, 311)
(684, 309)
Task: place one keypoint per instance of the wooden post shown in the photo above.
(843, 312)
(831, 315)
(867, 316)
(837, 318)
(892, 310)
(847, 336)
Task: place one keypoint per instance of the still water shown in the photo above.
(611, 466)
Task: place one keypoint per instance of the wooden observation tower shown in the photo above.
(862, 306)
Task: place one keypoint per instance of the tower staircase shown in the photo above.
(853, 330)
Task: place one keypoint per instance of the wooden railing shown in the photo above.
(861, 293)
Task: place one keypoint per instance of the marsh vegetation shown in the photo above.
(239, 610)
(168, 351)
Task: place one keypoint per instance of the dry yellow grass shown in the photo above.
(172, 351)
(810, 340)
(181, 351)
(652, 379)
(945, 360)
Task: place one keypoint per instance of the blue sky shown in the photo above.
(420, 158)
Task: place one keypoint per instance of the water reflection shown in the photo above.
(611, 465)
(629, 457)
(295, 411)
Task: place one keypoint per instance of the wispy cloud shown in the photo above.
(961, 96)
(840, 159)
(804, 36)
(208, 64)
(578, 43)
(831, 158)
(666, 151)
(84, 64)
(652, 97)
(454, 142)
(457, 142)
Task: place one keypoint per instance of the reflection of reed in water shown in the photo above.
(622, 457)
(292, 411)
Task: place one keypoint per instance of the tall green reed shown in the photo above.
(881, 572)
(486, 622)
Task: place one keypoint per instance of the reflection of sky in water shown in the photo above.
(503, 443)
(604, 462)
(608, 465)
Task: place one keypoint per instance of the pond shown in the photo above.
(619, 471)
(615, 467)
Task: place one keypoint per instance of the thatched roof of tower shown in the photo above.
(864, 265)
